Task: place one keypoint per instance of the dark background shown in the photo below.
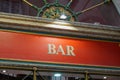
(105, 14)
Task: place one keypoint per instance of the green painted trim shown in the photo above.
(45, 1)
(51, 64)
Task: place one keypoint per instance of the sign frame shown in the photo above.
(38, 26)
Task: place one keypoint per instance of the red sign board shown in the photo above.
(26, 47)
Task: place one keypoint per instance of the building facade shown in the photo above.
(33, 48)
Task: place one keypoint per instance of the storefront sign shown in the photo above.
(27, 47)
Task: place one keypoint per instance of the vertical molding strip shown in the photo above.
(117, 5)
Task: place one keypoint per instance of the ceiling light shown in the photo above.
(105, 77)
(4, 71)
(57, 75)
(63, 16)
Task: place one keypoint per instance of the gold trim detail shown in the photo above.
(35, 24)
(44, 66)
(49, 62)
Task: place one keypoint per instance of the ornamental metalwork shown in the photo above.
(58, 11)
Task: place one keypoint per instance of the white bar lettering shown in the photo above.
(60, 50)
(70, 50)
(51, 49)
